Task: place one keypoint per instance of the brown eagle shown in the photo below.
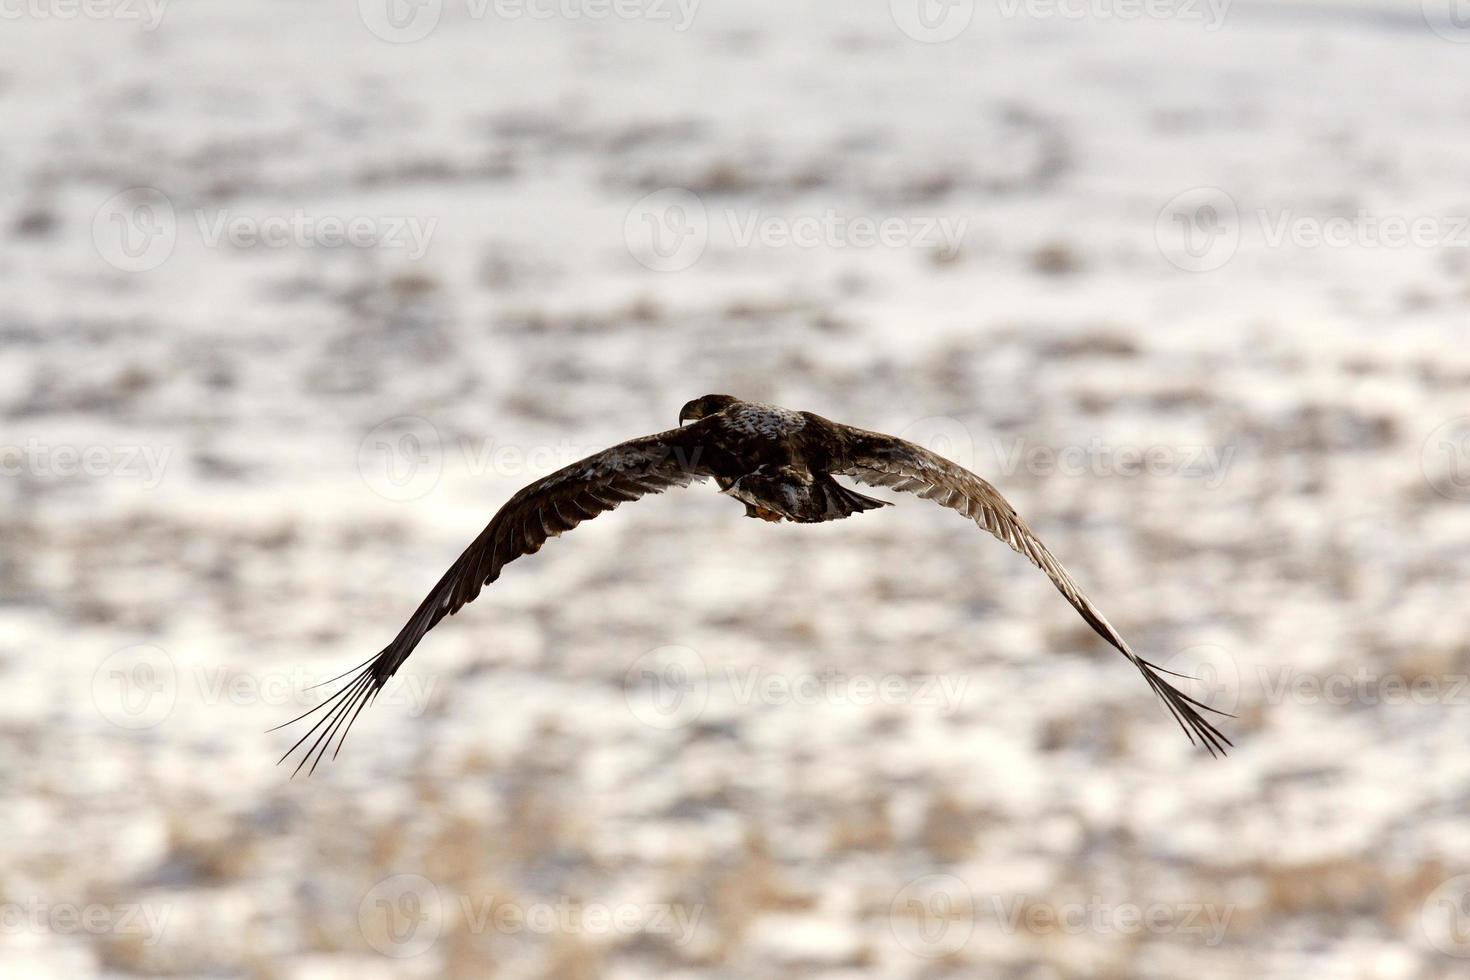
(780, 464)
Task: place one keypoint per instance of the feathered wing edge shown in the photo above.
(545, 509)
(886, 461)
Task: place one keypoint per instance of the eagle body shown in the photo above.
(777, 462)
(782, 465)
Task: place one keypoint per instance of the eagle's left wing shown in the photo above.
(886, 461)
(545, 509)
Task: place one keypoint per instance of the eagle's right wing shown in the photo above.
(886, 461)
(545, 509)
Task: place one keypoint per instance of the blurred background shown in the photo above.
(296, 294)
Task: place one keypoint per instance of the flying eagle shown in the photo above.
(780, 464)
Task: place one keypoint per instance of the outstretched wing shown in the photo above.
(545, 509)
(885, 461)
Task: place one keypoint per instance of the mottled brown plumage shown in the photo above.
(780, 464)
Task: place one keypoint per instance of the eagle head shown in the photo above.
(705, 405)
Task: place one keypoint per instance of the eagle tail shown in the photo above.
(844, 501)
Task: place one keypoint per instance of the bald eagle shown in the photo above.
(780, 464)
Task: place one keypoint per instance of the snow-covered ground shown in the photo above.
(295, 294)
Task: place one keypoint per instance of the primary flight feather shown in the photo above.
(780, 464)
